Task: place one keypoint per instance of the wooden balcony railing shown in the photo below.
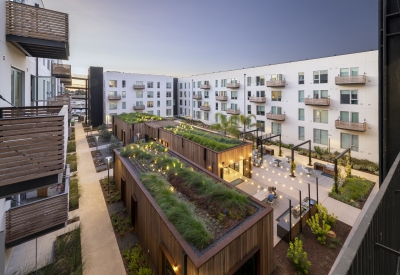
(61, 70)
(38, 32)
(29, 220)
(221, 98)
(114, 97)
(139, 86)
(205, 108)
(197, 97)
(205, 86)
(67, 81)
(233, 85)
(61, 100)
(32, 146)
(276, 116)
(317, 101)
(233, 111)
(276, 83)
(353, 79)
(352, 126)
(255, 99)
(138, 107)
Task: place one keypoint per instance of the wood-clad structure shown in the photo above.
(252, 238)
(61, 70)
(317, 101)
(353, 126)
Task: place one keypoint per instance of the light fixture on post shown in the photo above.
(108, 167)
(97, 143)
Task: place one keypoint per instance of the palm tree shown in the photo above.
(225, 125)
(246, 122)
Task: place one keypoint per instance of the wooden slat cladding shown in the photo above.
(32, 218)
(30, 148)
(353, 79)
(30, 111)
(317, 101)
(29, 21)
(61, 70)
(352, 126)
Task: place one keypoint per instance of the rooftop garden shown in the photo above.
(201, 209)
(210, 140)
(138, 117)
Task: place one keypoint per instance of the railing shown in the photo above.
(32, 146)
(317, 101)
(205, 86)
(68, 81)
(276, 83)
(114, 97)
(205, 108)
(61, 70)
(377, 225)
(233, 111)
(197, 97)
(139, 86)
(32, 218)
(276, 116)
(233, 85)
(353, 79)
(257, 99)
(138, 107)
(221, 98)
(353, 126)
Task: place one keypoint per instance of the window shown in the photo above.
(123, 83)
(276, 95)
(275, 128)
(123, 105)
(301, 96)
(112, 83)
(249, 81)
(139, 83)
(349, 116)
(112, 105)
(349, 141)
(150, 112)
(248, 95)
(261, 125)
(234, 106)
(180, 93)
(123, 94)
(206, 82)
(169, 85)
(248, 109)
(234, 80)
(261, 110)
(301, 78)
(159, 103)
(260, 80)
(321, 136)
(48, 64)
(158, 112)
(149, 84)
(158, 94)
(198, 114)
(112, 93)
(320, 116)
(139, 103)
(185, 85)
(223, 82)
(180, 102)
(321, 76)
(348, 72)
(198, 84)
(44, 61)
(301, 133)
(206, 116)
(320, 94)
(234, 94)
(260, 94)
(139, 94)
(206, 94)
(169, 112)
(149, 94)
(180, 85)
(216, 106)
(301, 114)
(185, 102)
(216, 83)
(223, 106)
(158, 85)
(276, 110)
(349, 97)
(169, 94)
(150, 104)
(180, 111)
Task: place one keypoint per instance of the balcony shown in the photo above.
(205, 108)
(197, 97)
(61, 70)
(31, 220)
(32, 147)
(139, 86)
(255, 99)
(276, 83)
(353, 79)
(221, 98)
(114, 97)
(352, 126)
(317, 101)
(205, 86)
(66, 81)
(37, 32)
(61, 100)
(138, 107)
(232, 111)
(233, 85)
(280, 117)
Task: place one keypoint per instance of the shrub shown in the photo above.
(298, 257)
(318, 229)
(71, 160)
(105, 135)
(292, 167)
(137, 263)
(120, 224)
(329, 219)
(114, 144)
(73, 193)
(71, 146)
(354, 189)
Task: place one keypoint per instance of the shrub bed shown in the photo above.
(137, 262)
(138, 117)
(71, 146)
(74, 193)
(71, 160)
(114, 193)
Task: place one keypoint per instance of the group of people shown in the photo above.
(272, 193)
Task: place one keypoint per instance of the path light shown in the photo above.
(97, 143)
(108, 167)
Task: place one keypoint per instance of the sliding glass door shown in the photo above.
(17, 87)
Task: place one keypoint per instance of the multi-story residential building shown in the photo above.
(332, 101)
(128, 92)
(33, 195)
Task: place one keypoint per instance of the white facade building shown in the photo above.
(128, 92)
(332, 101)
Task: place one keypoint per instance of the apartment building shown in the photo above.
(332, 101)
(128, 92)
(33, 194)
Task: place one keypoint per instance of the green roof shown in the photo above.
(138, 117)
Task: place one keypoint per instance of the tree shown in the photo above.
(246, 121)
(225, 125)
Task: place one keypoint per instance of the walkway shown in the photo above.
(100, 250)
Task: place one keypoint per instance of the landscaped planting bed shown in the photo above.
(138, 117)
(114, 193)
(73, 193)
(71, 160)
(201, 209)
(210, 140)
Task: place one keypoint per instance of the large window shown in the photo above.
(223, 106)
(261, 110)
(301, 114)
(301, 133)
(349, 116)
(216, 106)
(123, 94)
(158, 85)
(112, 83)
(321, 76)
(276, 110)
(320, 116)
(320, 94)
(112, 93)
(216, 83)
(159, 103)
(234, 94)
(198, 84)
(349, 141)
(261, 125)
(123, 105)
(349, 97)
(169, 85)
(123, 83)
(150, 104)
(206, 116)
(276, 95)
(169, 112)
(275, 128)
(139, 103)
(206, 94)
(248, 109)
(249, 81)
(112, 105)
(149, 84)
(158, 94)
(301, 78)
(260, 93)
(321, 136)
(223, 82)
(301, 96)
(234, 106)
(348, 71)
(169, 94)
(149, 94)
(180, 85)
(260, 80)
(139, 94)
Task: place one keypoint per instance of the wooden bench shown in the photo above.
(319, 166)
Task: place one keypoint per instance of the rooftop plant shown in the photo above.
(138, 117)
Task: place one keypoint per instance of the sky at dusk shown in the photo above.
(184, 37)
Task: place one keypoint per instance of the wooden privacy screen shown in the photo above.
(35, 217)
(30, 147)
(29, 21)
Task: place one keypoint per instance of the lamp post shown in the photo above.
(97, 143)
(138, 135)
(290, 218)
(108, 167)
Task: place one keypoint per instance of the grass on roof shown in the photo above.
(138, 117)
(210, 140)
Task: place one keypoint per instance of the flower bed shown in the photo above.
(138, 117)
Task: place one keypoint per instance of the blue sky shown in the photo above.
(183, 37)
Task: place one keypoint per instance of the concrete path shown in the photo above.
(100, 250)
